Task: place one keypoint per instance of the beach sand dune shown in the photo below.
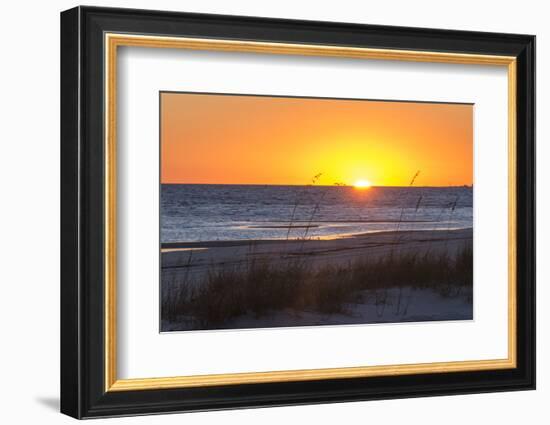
(186, 265)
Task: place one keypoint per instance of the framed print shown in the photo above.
(261, 212)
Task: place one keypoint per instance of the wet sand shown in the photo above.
(196, 258)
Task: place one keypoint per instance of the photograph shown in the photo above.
(287, 210)
(280, 211)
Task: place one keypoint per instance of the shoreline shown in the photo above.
(198, 258)
(246, 242)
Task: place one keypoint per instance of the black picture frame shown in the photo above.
(83, 392)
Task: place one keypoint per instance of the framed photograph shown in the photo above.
(261, 212)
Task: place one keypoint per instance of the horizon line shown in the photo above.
(301, 185)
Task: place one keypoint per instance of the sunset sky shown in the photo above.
(235, 139)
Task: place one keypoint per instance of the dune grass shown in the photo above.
(261, 287)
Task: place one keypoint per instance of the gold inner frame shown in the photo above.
(113, 41)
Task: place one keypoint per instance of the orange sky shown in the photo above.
(269, 140)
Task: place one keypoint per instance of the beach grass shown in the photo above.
(262, 286)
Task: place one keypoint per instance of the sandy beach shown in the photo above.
(190, 265)
(198, 257)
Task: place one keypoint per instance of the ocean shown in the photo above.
(197, 212)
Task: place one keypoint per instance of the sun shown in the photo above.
(362, 184)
